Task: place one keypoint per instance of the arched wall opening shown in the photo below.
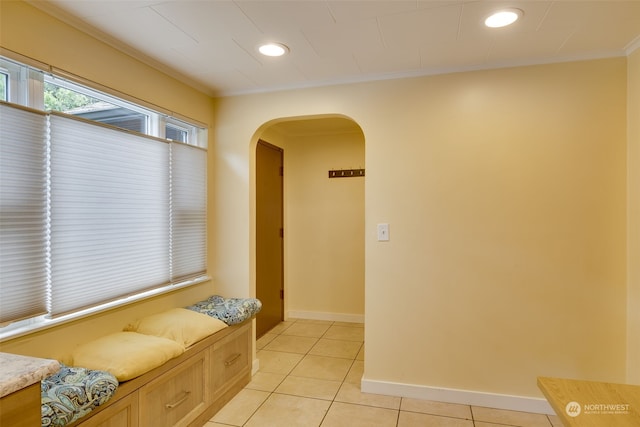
(323, 217)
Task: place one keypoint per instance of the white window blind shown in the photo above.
(91, 214)
(188, 210)
(23, 225)
(109, 214)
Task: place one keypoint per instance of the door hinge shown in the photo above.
(281, 293)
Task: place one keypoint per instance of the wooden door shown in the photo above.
(269, 236)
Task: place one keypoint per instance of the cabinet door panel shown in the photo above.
(230, 358)
(123, 413)
(177, 397)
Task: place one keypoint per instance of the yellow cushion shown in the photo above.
(183, 326)
(126, 354)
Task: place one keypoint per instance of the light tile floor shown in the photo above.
(310, 374)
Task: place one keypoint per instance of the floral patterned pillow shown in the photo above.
(230, 310)
(73, 392)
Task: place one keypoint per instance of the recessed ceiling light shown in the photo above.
(273, 49)
(502, 18)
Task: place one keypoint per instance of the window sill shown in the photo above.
(25, 327)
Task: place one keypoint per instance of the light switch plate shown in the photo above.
(383, 232)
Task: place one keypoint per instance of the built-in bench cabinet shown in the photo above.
(185, 391)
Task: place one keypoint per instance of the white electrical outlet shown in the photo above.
(383, 232)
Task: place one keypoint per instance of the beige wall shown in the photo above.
(325, 227)
(324, 239)
(29, 32)
(506, 195)
(633, 218)
(507, 259)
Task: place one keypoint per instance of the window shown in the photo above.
(92, 214)
(69, 98)
(176, 133)
(4, 80)
(23, 85)
(35, 88)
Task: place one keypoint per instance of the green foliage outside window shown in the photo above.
(57, 98)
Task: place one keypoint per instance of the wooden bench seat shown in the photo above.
(185, 391)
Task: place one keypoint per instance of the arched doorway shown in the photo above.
(323, 261)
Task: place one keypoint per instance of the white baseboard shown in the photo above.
(465, 397)
(255, 366)
(319, 315)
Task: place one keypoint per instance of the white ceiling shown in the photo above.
(211, 44)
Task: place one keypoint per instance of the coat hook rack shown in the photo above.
(346, 173)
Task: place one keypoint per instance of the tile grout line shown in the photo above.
(293, 368)
(333, 400)
(343, 381)
(274, 389)
(352, 360)
(473, 419)
(338, 391)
